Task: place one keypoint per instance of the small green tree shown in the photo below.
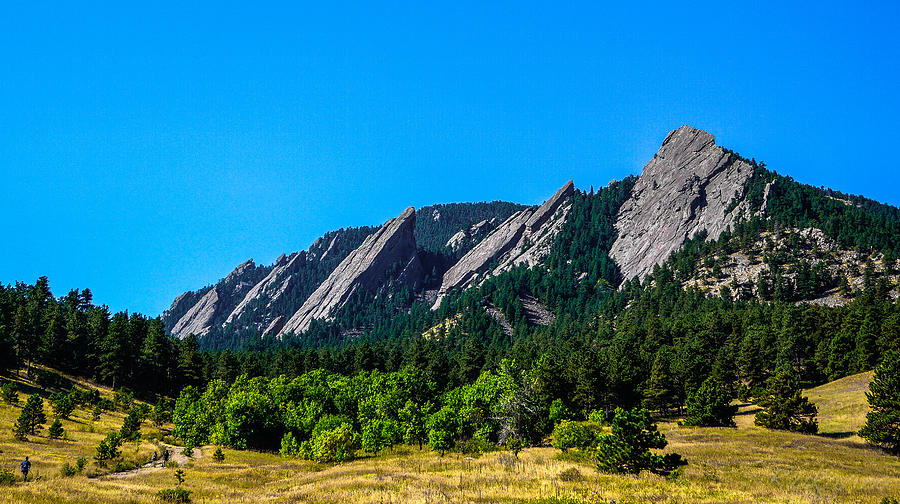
(627, 448)
(131, 425)
(559, 412)
(290, 447)
(372, 437)
(160, 414)
(62, 404)
(32, 415)
(882, 426)
(442, 431)
(56, 430)
(108, 449)
(514, 445)
(218, 456)
(10, 393)
(569, 434)
(335, 445)
(710, 406)
(786, 408)
(95, 414)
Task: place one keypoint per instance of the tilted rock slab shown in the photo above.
(365, 268)
(524, 238)
(272, 287)
(686, 188)
(200, 318)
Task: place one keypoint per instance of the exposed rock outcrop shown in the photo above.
(271, 288)
(524, 238)
(686, 188)
(217, 301)
(472, 235)
(365, 269)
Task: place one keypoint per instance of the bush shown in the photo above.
(62, 404)
(10, 393)
(559, 412)
(514, 445)
(218, 456)
(7, 477)
(786, 409)
(710, 406)
(95, 414)
(123, 399)
(627, 448)
(108, 449)
(882, 426)
(80, 463)
(571, 474)
(68, 470)
(597, 417)
(569, 434)
(56, 430)
(174, 495)
(290, 447)
(335, 445)
(131, 426)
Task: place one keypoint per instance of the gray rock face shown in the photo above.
(524, 238)
(271, 288)
(472, 235)
(198, 319)
(364, 269)
(686, 188)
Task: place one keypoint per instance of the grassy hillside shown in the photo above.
(747, 465)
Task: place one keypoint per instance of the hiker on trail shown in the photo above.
(166, 456)
(26, 466)
(153, 459)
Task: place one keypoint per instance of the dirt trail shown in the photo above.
(174, 454)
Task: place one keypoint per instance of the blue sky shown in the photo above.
(145, 151)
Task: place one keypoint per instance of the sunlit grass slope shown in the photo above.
(743, 465)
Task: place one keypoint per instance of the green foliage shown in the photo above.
(882, 426)
(559, 412)
(10, 393)
(108, 449)
(514, 445)
(218, 456)
(62, 404)
(627, 448)
(335, 445)
(786, 408)
(179, 476)
(290, 447)
(68, 470)
(131, 425)
(569, 434)
(55, 431)
(32, 416)
(174, 496)
(160, 414)
(7, 477)
(710, 406)
(80, 462)
(96, 412)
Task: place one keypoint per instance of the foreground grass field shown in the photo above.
(742, 465)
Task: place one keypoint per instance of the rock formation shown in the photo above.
(365, 269)
(271, 288)
(524, 238)
(686, 188)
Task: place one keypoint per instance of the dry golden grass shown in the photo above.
(742, 465)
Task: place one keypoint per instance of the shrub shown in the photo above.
(335, 445)
(10, 393)
(786, 409)
(7, 477)
(597, 417)
(123, 400)
(68, 470)
(95, 414)
(218, 456)
(80, 463)
(882, 426)
(290, 447)
(570, 474)
(174, 495)
(56, 430)
(513, 444)
(710, 406)
(62, 404)
(627, 448)
(131, 426)
(559, 411)
(569, 434)
(108, 449)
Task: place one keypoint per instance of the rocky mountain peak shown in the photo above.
(364, 269)
(686, 188)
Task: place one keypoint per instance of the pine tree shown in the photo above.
(56, 430)
(627, 448)
(662, 392)
(710, 406)
(882, 426)
(786, 408)
(32, 415)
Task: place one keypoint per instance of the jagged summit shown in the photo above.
(364, 269)
(686, 188)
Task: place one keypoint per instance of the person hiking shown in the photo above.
(153, 459)
(165, 456)
(26, 466)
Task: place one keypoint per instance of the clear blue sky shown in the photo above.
(145, 151)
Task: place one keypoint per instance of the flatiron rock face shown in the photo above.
(365, 269)
(686, 188)
(524, 238)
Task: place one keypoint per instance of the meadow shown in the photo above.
(746, 464)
